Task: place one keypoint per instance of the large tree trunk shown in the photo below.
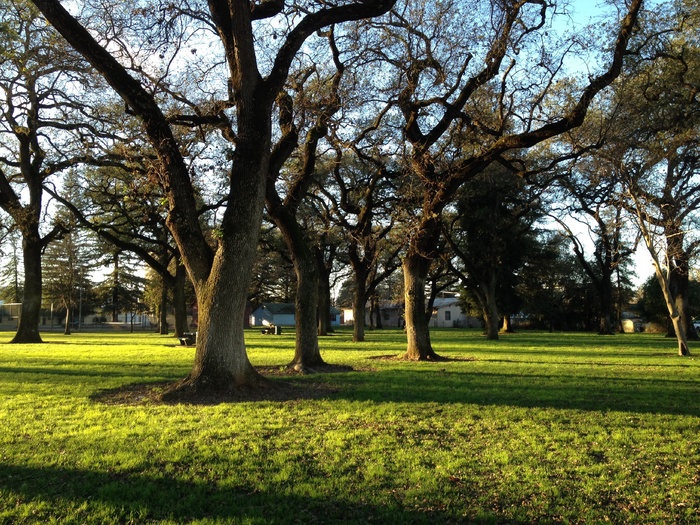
(28, 326)
(605, 291)
(69, 318)
(307, 354)
(324, 298)
(221, 363)
(491, 321)
(487, 297)
(179, 300)
(415, 272)
(359, 308)
(163, 309)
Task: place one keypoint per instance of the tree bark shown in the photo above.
(324, 304)
(359, 306)
(679, 277)
(163, 309)
(221, 363)
(605, 289)
(69, 318)
(487, 297)
(415, 272)
(28, 326)
(307, 354)
(507, 327)
(179, 300)
(491, 320)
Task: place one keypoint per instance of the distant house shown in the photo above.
(282, 314)
(335, 316)
(447, 313)
(391, 314)
(278, 314)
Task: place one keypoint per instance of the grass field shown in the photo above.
(534, 428)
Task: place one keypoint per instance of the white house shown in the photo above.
(391, 314)
(447, 313)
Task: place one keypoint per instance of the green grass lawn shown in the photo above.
(536, 427)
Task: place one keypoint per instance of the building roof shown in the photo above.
(278, 308)
(442, 302)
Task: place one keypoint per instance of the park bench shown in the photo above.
(272, 329)
(188, 338)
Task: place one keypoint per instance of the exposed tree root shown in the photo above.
(313, 368)
(188, 391)
(432, 357)
(205, 390)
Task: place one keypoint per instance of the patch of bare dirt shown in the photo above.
(162, 392)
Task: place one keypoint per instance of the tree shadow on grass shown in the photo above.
(565, 390)
(63, 495)
(561, 391)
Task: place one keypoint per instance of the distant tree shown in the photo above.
(47, 110)
(653, 145)
(554, 290)
(470, 85)
(326, 249)
(11, 275)
(122, 289)
(67, 267)
(489, 234)
(273, 273)
(125, 207)
(360, 200)
(595, 206)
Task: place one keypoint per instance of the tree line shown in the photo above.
(434, 138)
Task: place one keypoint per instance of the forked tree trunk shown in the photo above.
(221, 364)
(415, 272)
(28, 326)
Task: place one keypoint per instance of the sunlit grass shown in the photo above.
(535, 427)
